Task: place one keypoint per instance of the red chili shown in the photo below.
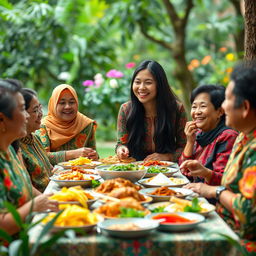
(172, 218)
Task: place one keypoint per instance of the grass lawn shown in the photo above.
(106, 149)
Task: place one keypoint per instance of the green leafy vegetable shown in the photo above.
(157, 169)
(126, 167)
(158, 209)
(195, 207)
(95, 183)
(130, 213)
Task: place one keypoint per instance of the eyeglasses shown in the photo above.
(37, 110)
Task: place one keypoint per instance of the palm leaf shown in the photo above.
(44, 231)
(5, 236)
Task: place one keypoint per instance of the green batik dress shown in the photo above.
(122, 134)
(86, 138)
(36, 160)
(15, 184)
(240, 177)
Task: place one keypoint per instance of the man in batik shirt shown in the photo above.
(237, 195)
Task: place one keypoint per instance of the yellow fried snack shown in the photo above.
(75, 175)
(72, 194)
(80, 161)
(180, 204)
(73, 215)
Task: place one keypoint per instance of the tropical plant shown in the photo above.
(19, 245)
(106, 93)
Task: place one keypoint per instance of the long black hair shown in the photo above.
(166, 110)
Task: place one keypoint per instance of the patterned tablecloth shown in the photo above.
(202, 241)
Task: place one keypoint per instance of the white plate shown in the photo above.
(86, 171)
(70, 183)
(185, 192)
(180, 182)
(146, 225)
(170, 207)
(85, 228)
(169, 173)
(197, 219)
(67, 165)
(166, 164)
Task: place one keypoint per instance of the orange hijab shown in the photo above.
(60, 132)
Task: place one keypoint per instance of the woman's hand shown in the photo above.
(159, 157)
(122, 152)
(190, 131)
(43, 203)
(202, 189)
(85, 152)
(196, 169)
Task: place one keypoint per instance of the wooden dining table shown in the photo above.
(207, 239)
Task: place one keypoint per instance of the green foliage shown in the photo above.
(21, 246)
(104, 96)
(130, 213)
(195, 207)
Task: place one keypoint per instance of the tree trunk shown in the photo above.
(250, 29)
(239, 35)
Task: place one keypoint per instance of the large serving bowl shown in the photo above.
(70, 183)
(107, 174)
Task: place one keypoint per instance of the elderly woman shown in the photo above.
(65, 132)
(15, 184)
(237, 194)
(34, 155)
(151, 125)
(209, 140)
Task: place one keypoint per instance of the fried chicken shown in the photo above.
(110, 185)
(113, 209)
(127, 192)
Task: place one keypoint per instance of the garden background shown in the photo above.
(94, 45)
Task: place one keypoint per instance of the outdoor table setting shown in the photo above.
(148, 235)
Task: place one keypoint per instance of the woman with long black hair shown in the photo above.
(151, 125)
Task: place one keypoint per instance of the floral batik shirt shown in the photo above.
(86, 138)
(15, 184)
(122, 134)
(240, 178)
(36, 161)
(214, 155)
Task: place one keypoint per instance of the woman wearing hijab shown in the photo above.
(65, 132)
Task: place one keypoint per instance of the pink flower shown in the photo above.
(113, 73)
(88, 83)
(130, 65)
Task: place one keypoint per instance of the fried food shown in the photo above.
(75, 175)
(127, 192)
(73, 215)
(80, 161)
(113, 209)
(72, 194)
(165, 191)
(180, 204)
(109, 185)
(116, 160)
(154, 162)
